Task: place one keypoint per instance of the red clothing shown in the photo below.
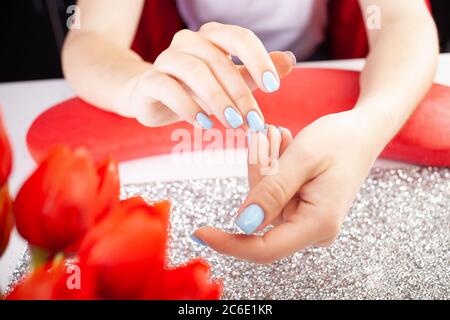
(160, 21)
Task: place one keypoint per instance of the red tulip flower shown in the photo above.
(60, 282)
(127, 247)
(6, 218)
(127, 252)
(187, 282)
(63, 198)
(5, 155)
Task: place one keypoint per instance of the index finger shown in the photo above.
(244, 44)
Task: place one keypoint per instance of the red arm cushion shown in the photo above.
(305, 95)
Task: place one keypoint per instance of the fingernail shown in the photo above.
(270, 82)
(254, 121)
(234, 119)
(281, 129)
(292, 56)
(250, 219)
(197, 240)
(204, 121)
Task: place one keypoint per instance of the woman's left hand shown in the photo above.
(305, 196)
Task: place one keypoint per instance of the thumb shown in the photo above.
(267, 199)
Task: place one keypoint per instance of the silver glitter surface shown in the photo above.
(394, 244)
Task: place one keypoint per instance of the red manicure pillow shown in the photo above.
(305, 95)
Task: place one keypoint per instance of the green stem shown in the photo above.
(39, 257)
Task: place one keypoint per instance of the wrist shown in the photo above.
(378, 124)
(126, 94)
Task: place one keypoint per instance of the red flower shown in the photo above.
(188, 282)
(63, 198)
(108, 191)
(57, 283)
(5, 155)
(6, 218)
(127, 249)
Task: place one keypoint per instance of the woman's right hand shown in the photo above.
(195, 78)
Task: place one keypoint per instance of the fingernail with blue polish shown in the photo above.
(234, 119)
(254, 121)
(250, 219)
(281, 129)
(270, 82)
(204, 121)
(197, 240)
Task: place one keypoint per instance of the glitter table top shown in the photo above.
(394, 244)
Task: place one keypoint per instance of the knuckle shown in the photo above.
(215, 98)
(161, 82)
(243, 32)
(209, 26)
(181, 36)
(224, 65)
(244, 98)
(148, 118)
(192, 66)
(163, 57)
(274, 194)
(146, 79)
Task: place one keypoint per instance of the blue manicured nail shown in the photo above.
(204, 121)
(250, 219)
(270, 82)
(197, 240)
(281, 129)
(234, 119)
(254, 121)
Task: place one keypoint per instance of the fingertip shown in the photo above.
(291, 56)
(283, 61)
(273, 132)
(270, 81)
(198, 240)
(216, 239)
(286, 134)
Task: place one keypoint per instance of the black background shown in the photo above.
(32, 31)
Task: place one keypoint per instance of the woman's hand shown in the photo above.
(307, 193)
(195, 77)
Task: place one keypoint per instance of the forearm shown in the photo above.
(99, 71)
(398, 73)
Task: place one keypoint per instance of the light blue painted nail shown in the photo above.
(198, 241)
(204, 121)
(250, 219)
(281, 129)
(254, 121)
(270, 82)
(234, 119)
